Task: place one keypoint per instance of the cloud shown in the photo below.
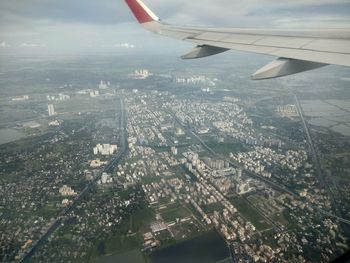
(120, 45)
(4, 44)
(80, 24)
(319, 22)
(31, 45)
(124, 45)
(86, 11)
(201, 12)
(337, 9)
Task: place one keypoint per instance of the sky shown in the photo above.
(108, 25)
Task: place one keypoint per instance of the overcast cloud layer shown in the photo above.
(72, 25)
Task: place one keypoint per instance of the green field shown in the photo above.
(250, 213)
(226, 148)
(173, 213)
(121, 243)
(127, 239)
(141, 219)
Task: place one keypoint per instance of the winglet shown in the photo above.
(142, 13)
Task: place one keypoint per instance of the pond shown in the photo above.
(207, 248)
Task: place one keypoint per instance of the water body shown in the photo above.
(342, 129)
(343, 104)
(318, 108)
(10, 135)
(207, 248)
(333, 114)
(322, 122)
(134, 256)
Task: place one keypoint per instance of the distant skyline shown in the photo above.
(89, 25)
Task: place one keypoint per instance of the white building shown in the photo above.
(54, 123)
(174, 150)
(60, 97)
(67, 191)
(63, 97)
(95, 150)
(51, 110)
(142, 74)
(105, 149)
(23, 98)
(88, 175)
(94, 93)
(179, 131)
(243, 187)
(105, 179)
(65, 202)
(97, 163)
(104, 84)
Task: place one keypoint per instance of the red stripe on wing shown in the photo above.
(141, 14)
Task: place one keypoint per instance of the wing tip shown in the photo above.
(142, 13)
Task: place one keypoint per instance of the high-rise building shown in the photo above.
(104, 84)
(51, 110)
(174, 150)
(105, 149)
(239, 173)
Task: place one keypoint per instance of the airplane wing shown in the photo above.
(297, 50)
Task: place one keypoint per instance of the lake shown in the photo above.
(332, 114)
(134, 256)
(207, 248)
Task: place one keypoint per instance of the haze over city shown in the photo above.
(114, 149)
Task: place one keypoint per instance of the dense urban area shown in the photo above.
(105, 161)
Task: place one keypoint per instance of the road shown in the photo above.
(54, 225)
(314, 157)
(317, 165)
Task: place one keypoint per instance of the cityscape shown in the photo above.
(105, 161)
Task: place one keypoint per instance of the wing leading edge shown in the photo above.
(297, 50)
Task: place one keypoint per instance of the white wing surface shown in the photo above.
(297, 50)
